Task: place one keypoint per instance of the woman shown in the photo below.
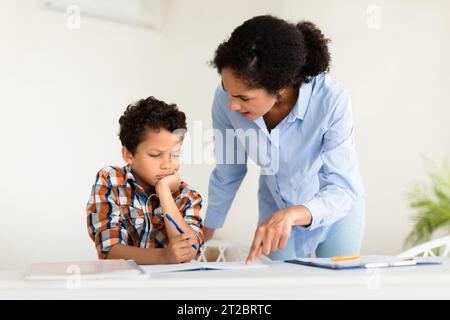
(274, 83)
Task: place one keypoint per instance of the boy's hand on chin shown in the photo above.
(172, 182)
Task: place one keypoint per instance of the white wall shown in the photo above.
(63, 91)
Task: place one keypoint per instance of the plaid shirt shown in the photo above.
(120, 212)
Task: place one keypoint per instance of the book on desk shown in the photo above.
(122, 269)
(367, 262)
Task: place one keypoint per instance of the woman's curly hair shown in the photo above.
(270, 53)
(147, 114)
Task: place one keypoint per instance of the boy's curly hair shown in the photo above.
(271, 53)
(147, 114)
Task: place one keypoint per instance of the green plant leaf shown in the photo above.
(431, 201)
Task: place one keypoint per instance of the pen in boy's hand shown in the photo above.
(177, 227)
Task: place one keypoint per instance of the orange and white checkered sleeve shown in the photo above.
(191, 206)
(104, 218)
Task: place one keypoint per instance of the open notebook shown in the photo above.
(86, 270)
(367, 262)
(198, 266)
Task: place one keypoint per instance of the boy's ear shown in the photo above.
(127, 156)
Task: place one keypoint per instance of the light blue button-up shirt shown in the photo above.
(309, 159)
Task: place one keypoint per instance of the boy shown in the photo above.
(128, 207)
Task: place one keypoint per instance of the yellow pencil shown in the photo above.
(344, 258)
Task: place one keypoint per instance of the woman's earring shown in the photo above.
(278, 97)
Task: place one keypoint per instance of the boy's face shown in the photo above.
(156, 157)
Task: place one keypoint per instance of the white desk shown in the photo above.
(279, 281)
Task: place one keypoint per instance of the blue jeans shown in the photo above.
(344, 237)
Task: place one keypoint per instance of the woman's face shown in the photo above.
(250, 103)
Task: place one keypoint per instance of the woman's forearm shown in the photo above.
(301, 215)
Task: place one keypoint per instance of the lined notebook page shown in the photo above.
(202, 266)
